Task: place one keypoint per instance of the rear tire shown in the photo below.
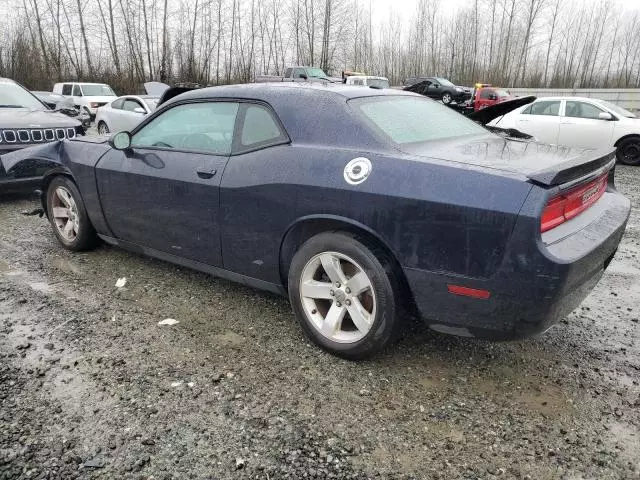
(103, 129)
(68, 216)
(628, 151)
(344, 293)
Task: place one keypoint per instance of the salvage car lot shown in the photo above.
(91, 386)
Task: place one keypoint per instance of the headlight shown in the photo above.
(458, 89)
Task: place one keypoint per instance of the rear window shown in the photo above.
(406, 120)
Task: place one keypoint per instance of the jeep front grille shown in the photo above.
(35, 135)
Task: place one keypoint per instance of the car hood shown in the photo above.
(155, 89)
(492, 112)
(17, 118)
(544, 164)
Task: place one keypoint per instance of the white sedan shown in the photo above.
(578, 122)
(124, 113)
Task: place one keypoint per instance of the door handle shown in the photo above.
(206, 173)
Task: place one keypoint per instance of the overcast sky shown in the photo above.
(381, 8)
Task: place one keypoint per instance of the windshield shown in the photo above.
(378, 83)
(14, 96)
(444, 82)
(408, 120)
(616, 109)
(89, 90)
(316, 73)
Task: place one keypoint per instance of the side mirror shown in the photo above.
(605, 116)
(121, 141)
(139, 110)
(493, 97)
(435, 85)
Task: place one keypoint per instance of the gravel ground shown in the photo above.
(92, 387)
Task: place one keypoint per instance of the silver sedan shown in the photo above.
(124, 113)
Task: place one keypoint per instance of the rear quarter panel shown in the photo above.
(433, 216)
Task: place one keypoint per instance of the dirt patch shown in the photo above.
(92, 387)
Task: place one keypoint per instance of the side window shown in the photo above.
(551, 109)
(76, 91)
(358, 81)
(130, 105)
(66, 89)
(206, 127)
(582, 110)
(485, 93)
(117, 104)
(288, 73)
(298, 72)
(260, 128)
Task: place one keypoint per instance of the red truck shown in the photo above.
(485, 95)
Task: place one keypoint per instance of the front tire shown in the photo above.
(344, 293)
(628, 151)
(447, 98)
(68, 216)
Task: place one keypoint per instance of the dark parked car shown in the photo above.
(26, 121)
(358, 212)
(440, 89)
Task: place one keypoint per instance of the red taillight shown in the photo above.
(94, 105)
(564, 207)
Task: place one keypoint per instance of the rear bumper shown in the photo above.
(535, 287)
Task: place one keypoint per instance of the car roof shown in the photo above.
(7, 80)
(144, 97)
(581, 99)
(276, 90)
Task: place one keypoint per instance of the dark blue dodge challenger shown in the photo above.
(364, 205)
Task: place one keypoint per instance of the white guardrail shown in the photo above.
(628, 98)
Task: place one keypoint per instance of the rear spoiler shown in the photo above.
(575, 169)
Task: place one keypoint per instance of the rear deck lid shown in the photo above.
(545, 165)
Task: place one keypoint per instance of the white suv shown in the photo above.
(86, 96)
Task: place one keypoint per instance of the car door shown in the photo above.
(540, 119)
(163, 192)
(434, 89)
(581, 127)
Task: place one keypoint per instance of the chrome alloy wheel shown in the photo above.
(337, 297)
(65, 214)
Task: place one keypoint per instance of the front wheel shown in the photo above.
(447, 98)
(344, 294)
(67, 215)
(628, 151)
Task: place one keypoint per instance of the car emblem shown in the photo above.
(590, 193)
(357, 170)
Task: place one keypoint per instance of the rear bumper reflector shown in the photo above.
(468, 292)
